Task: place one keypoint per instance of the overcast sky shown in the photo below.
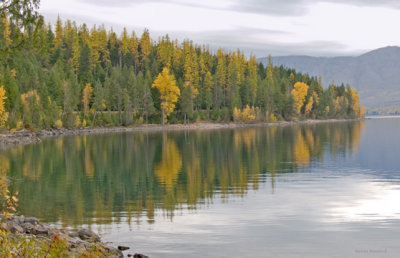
(261, 27)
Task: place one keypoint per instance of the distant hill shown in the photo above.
(376, 74)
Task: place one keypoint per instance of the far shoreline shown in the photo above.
(23, 137)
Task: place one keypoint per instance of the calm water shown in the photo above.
(326, 190)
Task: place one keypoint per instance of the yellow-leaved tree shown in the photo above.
(356, 103)
(309, 106)
(299, 94)
(3, 113)
(86, 97)
(169, 92)
(246, 116)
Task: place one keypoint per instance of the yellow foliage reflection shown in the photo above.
(356, 136)
(301, 151)
(245, 137)
(89, 166)
(32, 169)
(171, 163)
(4, 167)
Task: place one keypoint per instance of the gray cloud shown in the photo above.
(116, 3)
(88, 20)
(128, 3)
(272, 7)
(266, 7)
(300, 7)
(243, 39)
(382, 3)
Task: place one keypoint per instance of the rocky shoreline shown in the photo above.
(8, 139)
(18, 138)
(76, 243)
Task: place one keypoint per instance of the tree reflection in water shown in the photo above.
(103, 178)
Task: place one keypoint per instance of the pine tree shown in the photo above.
(76, 54)
(208, 87)
(3, 113)
(187, 103)
(147, 100)
(59, 33)
(84, 71)
(220, 80)
(6, 30)
(145, 47)
(99, 104)
(252, 78)
(86, 98)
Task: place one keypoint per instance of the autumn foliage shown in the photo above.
(86, 97)
(3, 113)
(247, 115)
(299, 94)
(169, 92)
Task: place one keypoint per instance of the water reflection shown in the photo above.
(99, 179)
(168, 168)
(4, 167)
(377, 202)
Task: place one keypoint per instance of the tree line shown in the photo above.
(75, 76)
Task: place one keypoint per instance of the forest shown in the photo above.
(69, 75)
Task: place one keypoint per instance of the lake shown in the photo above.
(316, 190)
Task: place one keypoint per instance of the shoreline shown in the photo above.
(24, 137)
(34, 236)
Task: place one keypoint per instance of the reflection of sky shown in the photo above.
(377, 202)
(311, 214)
(379, 148)
(346, 207)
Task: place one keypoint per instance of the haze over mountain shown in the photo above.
(376, 74)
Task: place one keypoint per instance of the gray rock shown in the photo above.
(17, 219)
(32, 220)
(35, 229)
(13, 227)
(73, 234)
(41, 230)
(85, 232)
(140, 256)
(123, 248)
(114, 251)
(28, 227)
(88, 235)
(75, 243)
(21, 219)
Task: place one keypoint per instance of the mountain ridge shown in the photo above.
(375, 74)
